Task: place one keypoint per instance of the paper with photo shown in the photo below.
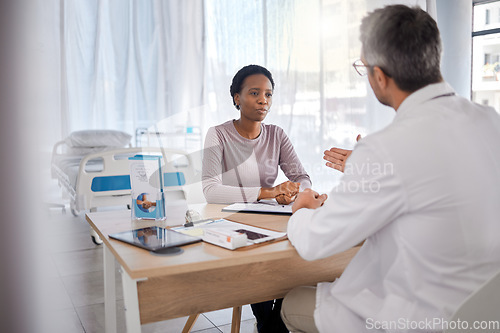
(255, 235)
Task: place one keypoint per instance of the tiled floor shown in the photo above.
(75, 284)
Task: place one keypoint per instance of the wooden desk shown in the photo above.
(205, 277)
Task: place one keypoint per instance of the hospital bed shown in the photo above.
(94, 175)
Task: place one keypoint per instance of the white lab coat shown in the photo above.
(425, 194)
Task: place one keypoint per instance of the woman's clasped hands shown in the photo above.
(284, 193)
(287, 192)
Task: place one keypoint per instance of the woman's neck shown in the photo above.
(247, 129)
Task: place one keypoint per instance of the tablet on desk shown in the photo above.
(155, 239)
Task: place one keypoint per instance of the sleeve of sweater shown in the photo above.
(290, 163)
(213, 189)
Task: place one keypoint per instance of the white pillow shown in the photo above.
(98, 138)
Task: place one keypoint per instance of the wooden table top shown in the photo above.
(197, 257)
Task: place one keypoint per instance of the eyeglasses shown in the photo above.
(360, 68)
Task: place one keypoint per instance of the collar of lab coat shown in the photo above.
(431, 91)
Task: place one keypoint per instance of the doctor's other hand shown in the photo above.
(309, 199)
(337, 157)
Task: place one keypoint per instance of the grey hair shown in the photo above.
(405, 43)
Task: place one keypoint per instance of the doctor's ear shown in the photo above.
(380, 77)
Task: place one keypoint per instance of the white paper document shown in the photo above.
(263, 206)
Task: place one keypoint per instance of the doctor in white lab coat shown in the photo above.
(424, 193)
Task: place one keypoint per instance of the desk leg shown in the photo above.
(236, 322)
(190, 323)
(132, 318)
(109, 291)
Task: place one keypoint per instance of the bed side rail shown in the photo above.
(111, 185)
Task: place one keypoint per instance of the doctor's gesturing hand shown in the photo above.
(309, 199)
(337, 157)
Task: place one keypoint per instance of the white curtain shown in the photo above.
(168, 65)
(128, 64)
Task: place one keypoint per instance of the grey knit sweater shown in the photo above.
(235, 168)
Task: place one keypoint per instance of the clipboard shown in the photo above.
(262, 207)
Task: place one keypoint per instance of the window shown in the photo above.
(486, 54)
(309, 47)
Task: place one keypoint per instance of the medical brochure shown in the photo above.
(230, 235)
(146, 181)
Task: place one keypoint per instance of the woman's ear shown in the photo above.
(237, 99)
